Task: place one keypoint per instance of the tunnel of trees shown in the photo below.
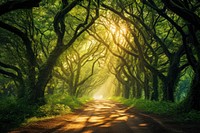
(144, 49)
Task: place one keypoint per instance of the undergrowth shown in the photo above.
(161, 108)
(14, 112)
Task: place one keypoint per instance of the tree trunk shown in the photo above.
(134, 90)
(146, 87)
(118, 90)
(37, 94)
(154, 95)
(138, 91)
(193, 98)
(172, 76)
(126, 91)
(170, 84)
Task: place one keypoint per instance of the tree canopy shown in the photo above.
(135, 49)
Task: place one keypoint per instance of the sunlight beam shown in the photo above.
(98, 97)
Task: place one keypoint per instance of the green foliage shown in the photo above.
(36, 119)
(184, 84)
(190, 116)
(63, 98)
(59, 104)
(13, 112)
(85, 99)
(161, 108)
(157, 107)
(54, 109)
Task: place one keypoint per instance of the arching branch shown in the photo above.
(18, 4)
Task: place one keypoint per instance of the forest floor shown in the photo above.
(103, 116)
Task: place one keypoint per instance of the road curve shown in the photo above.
(100, 116)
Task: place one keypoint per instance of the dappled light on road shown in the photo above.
(102, 116)
(143, 125)
(106, 116)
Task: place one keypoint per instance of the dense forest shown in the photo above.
(143, 49)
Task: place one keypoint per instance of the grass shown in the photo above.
(161, 108)
(35, 119)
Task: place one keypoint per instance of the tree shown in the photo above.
(188, 11)
(139, 25)
(78, 66)
(37, 74)
(147, 45)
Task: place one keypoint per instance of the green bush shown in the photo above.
(157, 107)
(84, 100)
(54, 109)
(190, 116)
(64, 99)
(13, 112)
(161, 108)
(59, 104)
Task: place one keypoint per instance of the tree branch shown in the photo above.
(9, 74)
(25, 39)
(18, 4)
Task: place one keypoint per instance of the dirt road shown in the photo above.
(98, 117)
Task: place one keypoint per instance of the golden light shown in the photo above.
(106, 90)
(143, 124)
(113, 28)
(118, 28)
(98, 97)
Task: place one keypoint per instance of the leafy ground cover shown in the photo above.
(14, 113)
(161, 108)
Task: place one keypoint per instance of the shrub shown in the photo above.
(13, 112)
(59, 104)
(161, 108)
(157, 107)
(53, 109)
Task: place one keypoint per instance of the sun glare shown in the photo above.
(106, 90)
(98, 97)
(118, 30)
(113, 28)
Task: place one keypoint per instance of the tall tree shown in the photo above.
(189, 12)
(141, 23)
(39, 75)
(74, 68)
